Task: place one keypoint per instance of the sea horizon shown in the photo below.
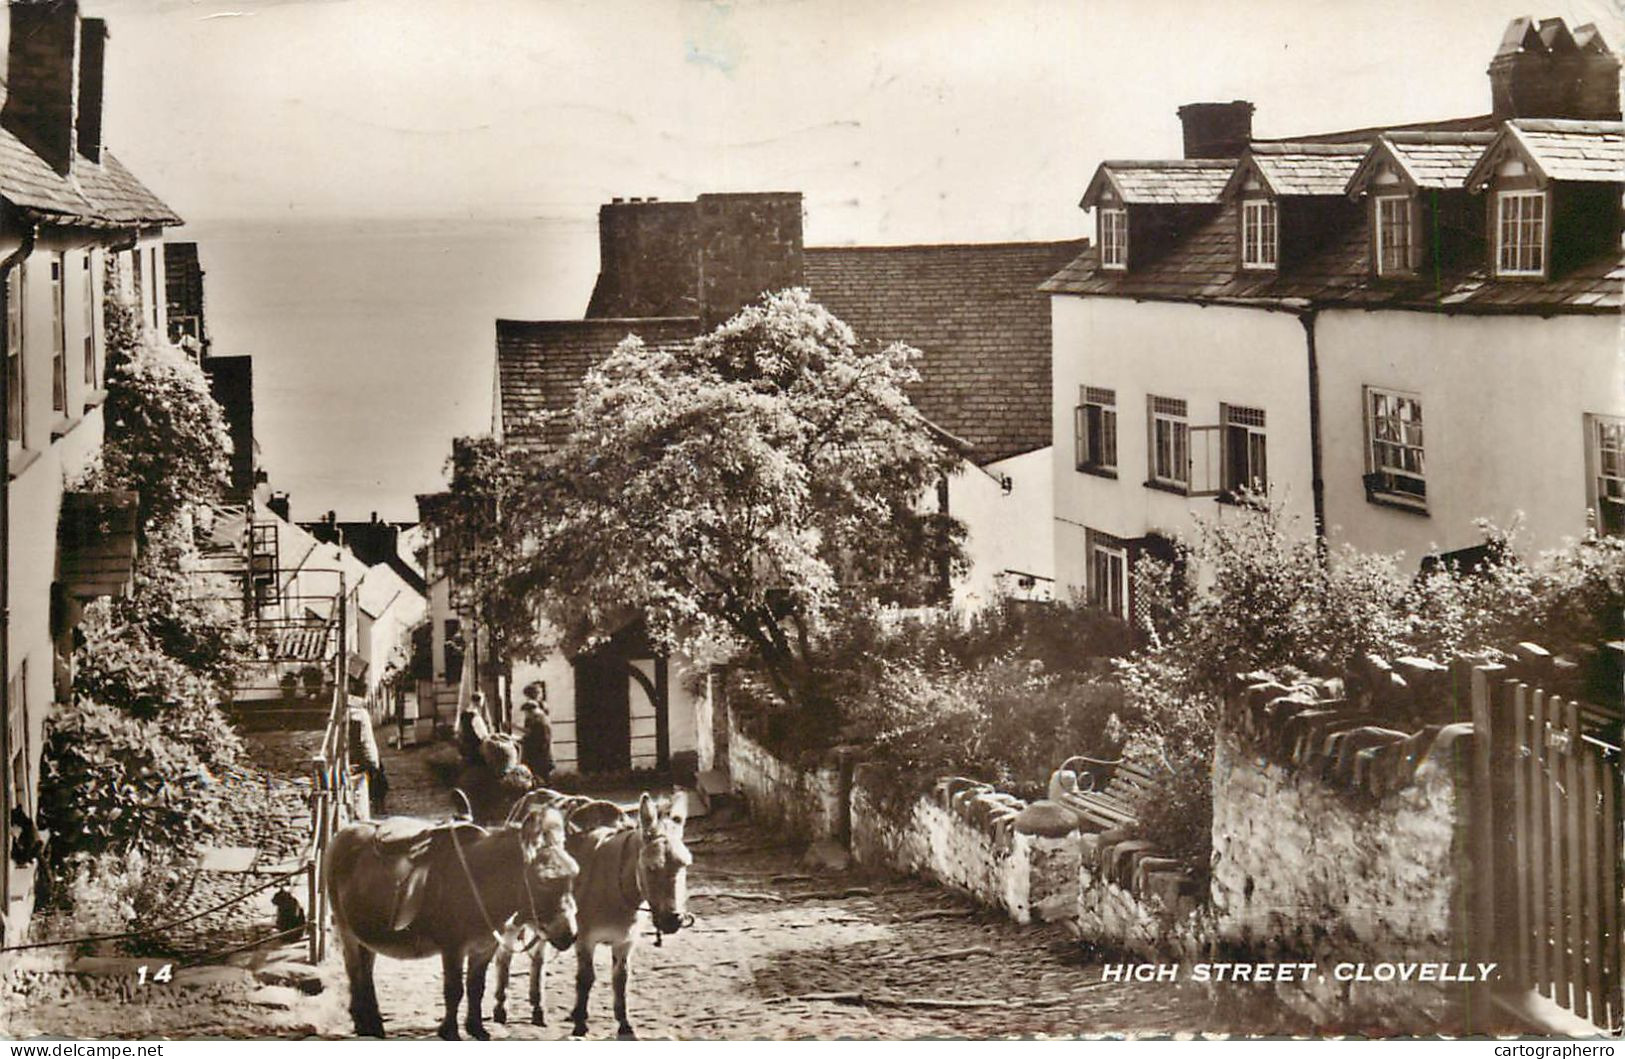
(373, 338)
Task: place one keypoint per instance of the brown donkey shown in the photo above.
(626, 867)
(408, 890)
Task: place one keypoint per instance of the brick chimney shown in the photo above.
(40, 68)
(1541, 70)
(1216, 130)
(92, 68)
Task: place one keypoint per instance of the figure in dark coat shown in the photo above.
(472, 730)
(538, 736)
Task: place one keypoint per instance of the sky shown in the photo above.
(900, 121)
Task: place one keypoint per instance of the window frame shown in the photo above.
(88, 293)
(1267, 209)
(1251, 423)
(1407, 209)
(1605, 477)
(1540, 247)
(1113, 221)
(1103, 401)
(1382, 478)
(1179, 434)
(59, 335)
(16, 300)
(1114, 552)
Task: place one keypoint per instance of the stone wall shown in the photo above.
(964, 835)
(1339, 840)
(1133, 901)
(806, 802)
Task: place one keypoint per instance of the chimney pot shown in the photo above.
(1216, 130)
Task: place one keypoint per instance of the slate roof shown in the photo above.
(1574, 150)
(540, 364)
(1429, 159)
(1303, 168)
(1202, 268)
(974, 312)
(96, 196)
(1166, 182)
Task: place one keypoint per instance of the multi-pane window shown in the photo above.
(1606, 438)
(1394, 427)
(1107, 573)
(1521, 234)
(139, 288)
(1096, 429)
(15, 403)
(1258, 234)
(155, 295)
(1245, 467)
(1393, 234)
(87, 295)
(1170, 439)
(59, 337)
(1113, 238)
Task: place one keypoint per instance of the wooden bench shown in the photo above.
(1102, 793)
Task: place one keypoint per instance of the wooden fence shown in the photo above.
(339, 793)
(1547, 835)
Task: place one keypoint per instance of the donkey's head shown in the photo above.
(550, 875)
(663, 862)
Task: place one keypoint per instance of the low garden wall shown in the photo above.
(964, 835)
(1340, 839)
(806, 802)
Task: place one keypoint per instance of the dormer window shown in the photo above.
(1258, 234)
(1520, 244)
(1113, 238)
(1395, 252)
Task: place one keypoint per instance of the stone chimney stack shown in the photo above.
(92, 70)
(1217, 130)
(750, 243)
(1541, 70)
(40, 73)
(707, 258)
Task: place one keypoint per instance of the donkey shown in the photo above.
(626, 867)
(409, 890)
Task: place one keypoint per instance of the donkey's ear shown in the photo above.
(679, 808)
(647, 818)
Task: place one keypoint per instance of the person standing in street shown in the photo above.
(537, 742)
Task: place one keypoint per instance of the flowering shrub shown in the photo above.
(166, 435)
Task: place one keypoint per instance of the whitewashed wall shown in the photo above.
(1503, 400)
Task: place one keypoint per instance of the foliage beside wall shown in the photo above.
(127, 769)
(1268, 597)
(1001, 697)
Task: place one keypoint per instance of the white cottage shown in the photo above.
(1395, 330)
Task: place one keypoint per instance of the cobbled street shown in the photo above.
(779, 950)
